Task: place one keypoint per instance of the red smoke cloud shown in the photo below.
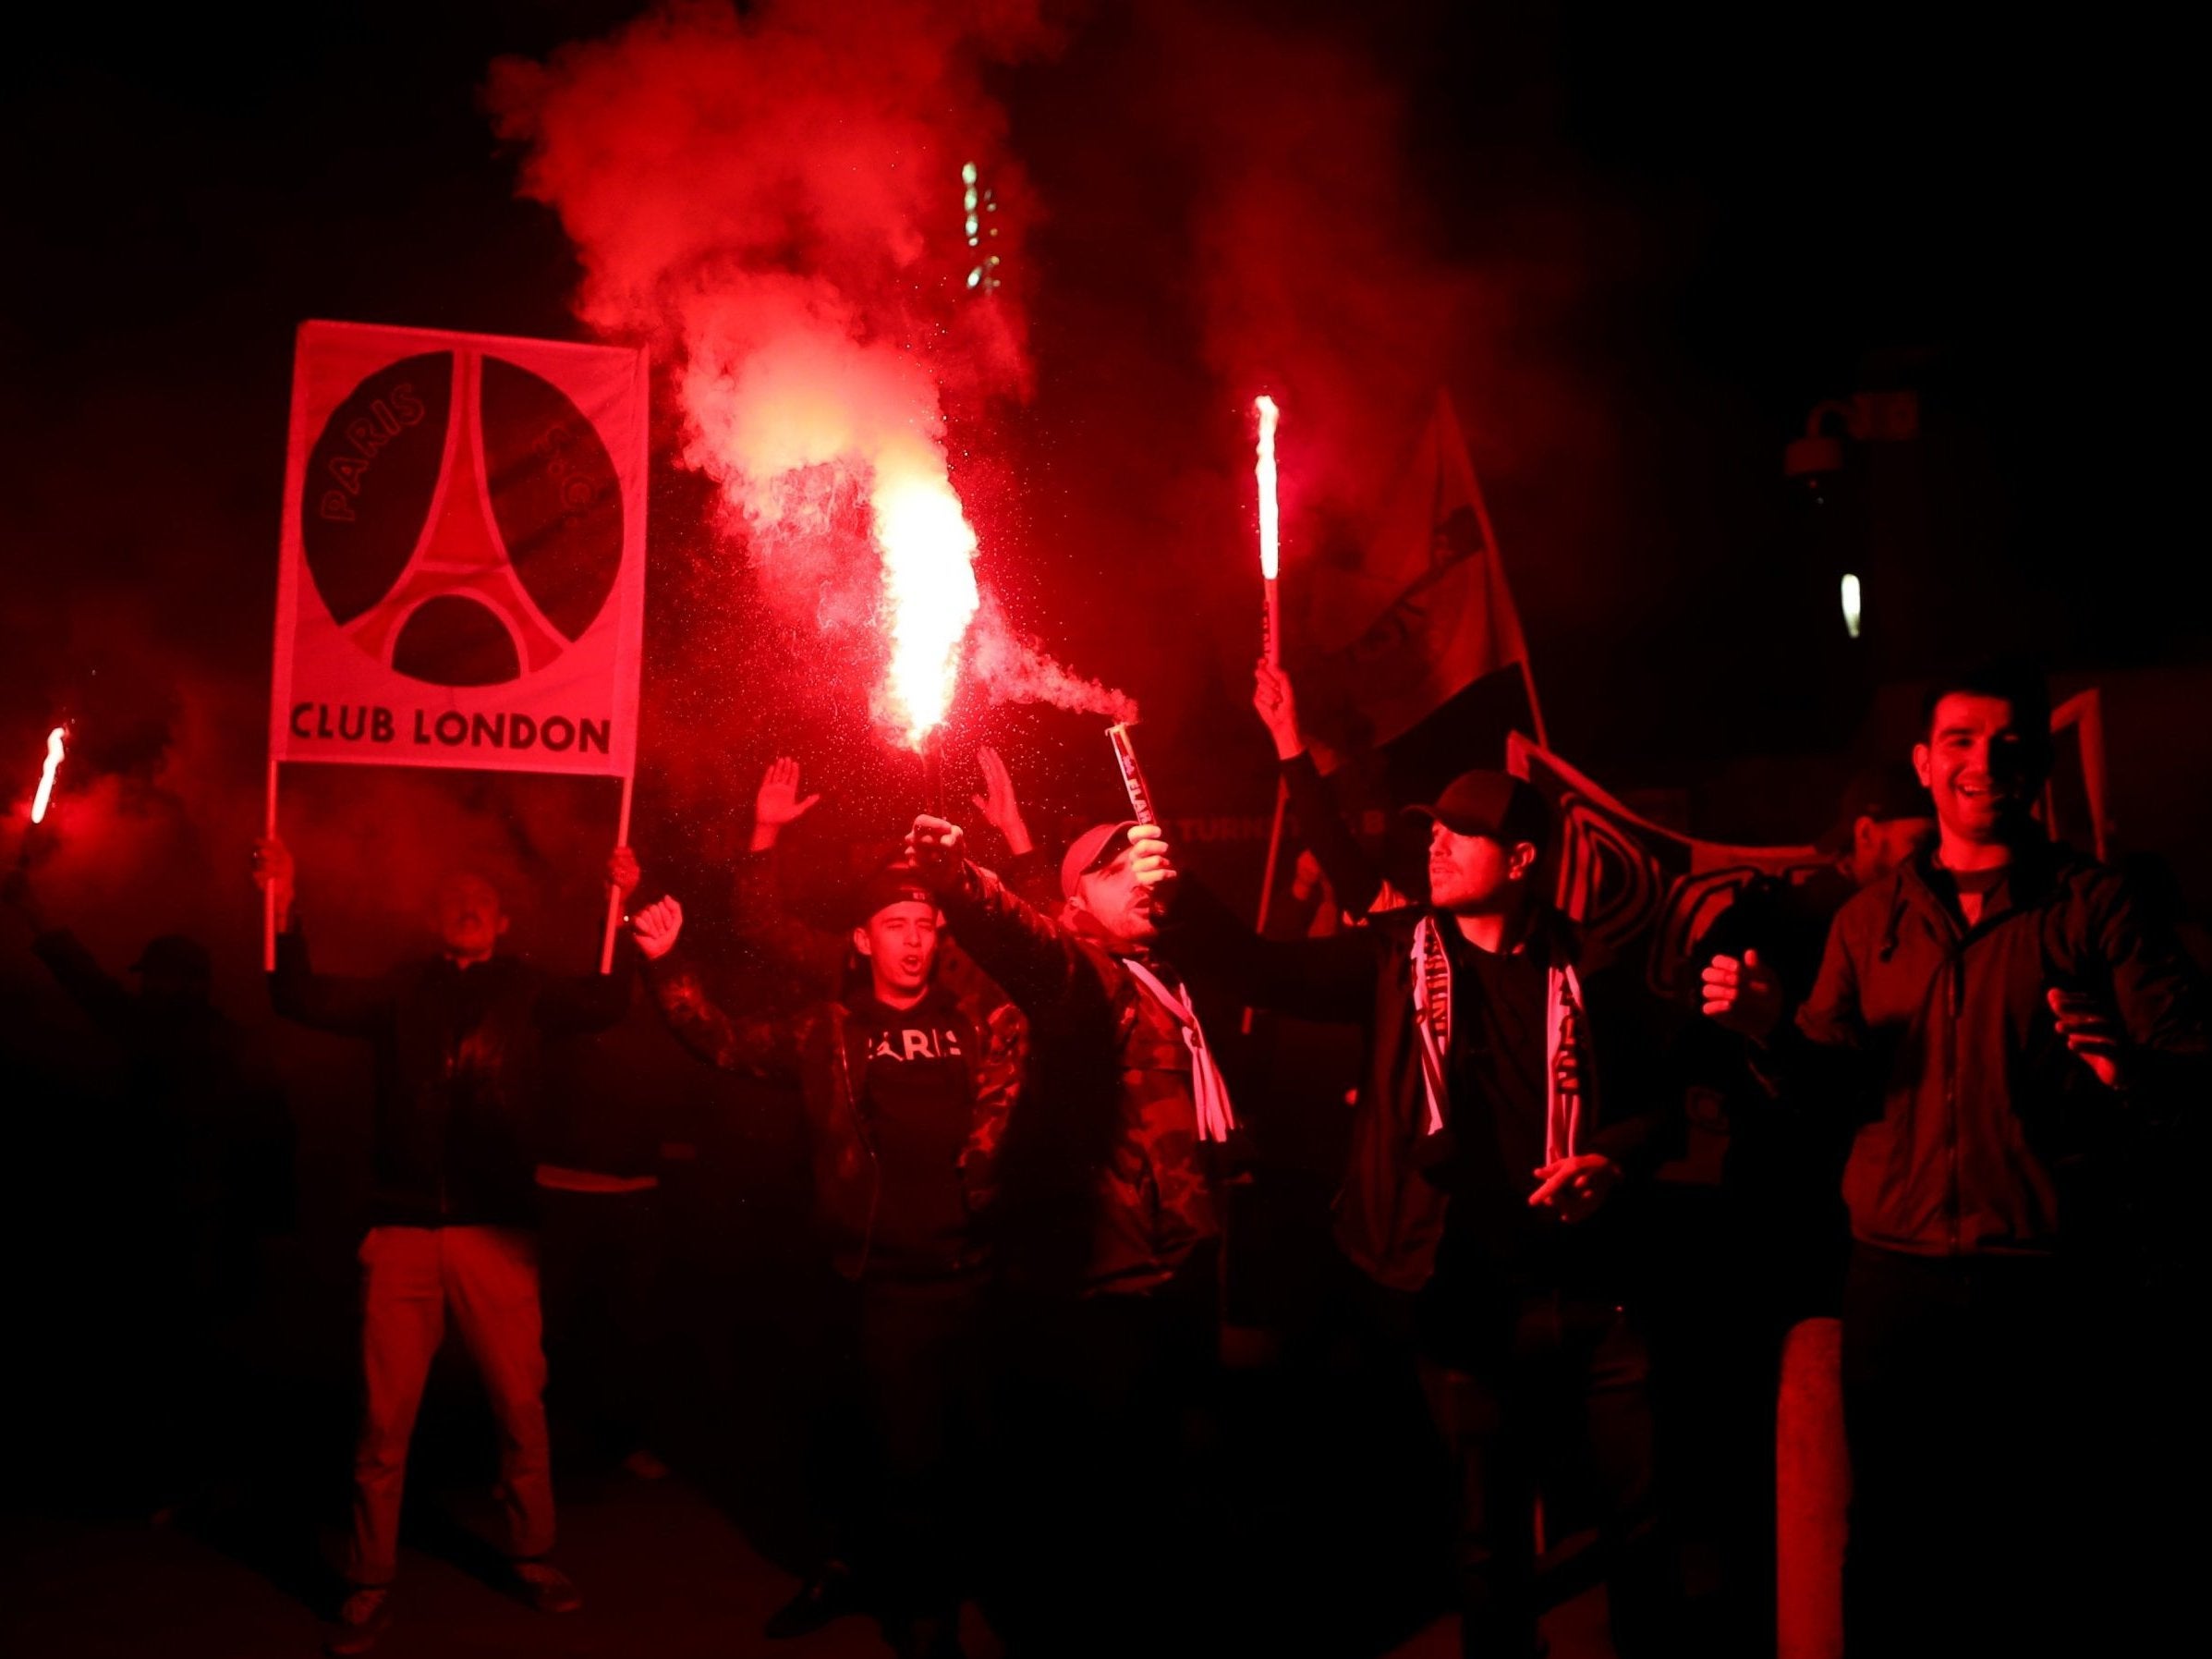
(774, 202)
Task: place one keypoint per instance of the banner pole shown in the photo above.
(622, 836)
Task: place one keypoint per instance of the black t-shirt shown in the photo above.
(1494, 1244)
(918, 1102)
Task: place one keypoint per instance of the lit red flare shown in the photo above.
(929, 589)
(1270, 542)
(1269, 529)
(54, 760)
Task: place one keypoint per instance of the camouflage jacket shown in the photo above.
(821, 1050)
(1109, 1183)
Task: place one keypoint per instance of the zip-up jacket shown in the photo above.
(458, 1064)
(823, 1051)
(1390, 1216)
(1937, 1040)
(1114, 1195)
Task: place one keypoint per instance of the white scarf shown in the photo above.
(1432, 1027)
(1209, 1095)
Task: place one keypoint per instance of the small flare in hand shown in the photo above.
(55, 750)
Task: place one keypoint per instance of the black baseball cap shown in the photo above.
(1889, 791)
(892, 885)
(1093, 849)
(1495, 804)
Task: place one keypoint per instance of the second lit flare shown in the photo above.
(55, 750)
(1271, 525)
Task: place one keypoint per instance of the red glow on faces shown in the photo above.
(54, 749)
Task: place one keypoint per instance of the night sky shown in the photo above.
(1679, 233)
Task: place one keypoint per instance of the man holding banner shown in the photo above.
(452, 1213)
(461, 585)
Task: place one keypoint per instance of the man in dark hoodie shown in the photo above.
(1509, 1107)
(907, 1087)
(452, 1235)
(2003, 1027)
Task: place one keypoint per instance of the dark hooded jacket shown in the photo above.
(822, 1049)
(1112, 1195)
(1390, 1214)
(458, 1067)
(1976, 1127)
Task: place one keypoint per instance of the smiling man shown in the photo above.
(2003, 1026)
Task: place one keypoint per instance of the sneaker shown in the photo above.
(364, 1616)
(827, 1594)
(547, 1587)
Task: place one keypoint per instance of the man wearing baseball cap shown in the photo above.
(906, 1085)
(1129, 1102)
(1503, 1108)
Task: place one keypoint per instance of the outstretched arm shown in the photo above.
(1034, 960)
(1327, 978)
(1355, 875)
(326, 1002)
(1025, 871)
(755, 1044)
(758, 907)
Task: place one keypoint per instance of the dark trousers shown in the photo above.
(1110, 1540)
(921, 1387)
(1979, 1520)
(1533, 1369)
(606, 1319)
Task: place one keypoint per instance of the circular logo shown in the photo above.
(461, 519)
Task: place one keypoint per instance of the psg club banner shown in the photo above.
(462, 574)
(1638, 889)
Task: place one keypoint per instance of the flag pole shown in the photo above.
(1536, 709)
(614, 896)
(269, 894)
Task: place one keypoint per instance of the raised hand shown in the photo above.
(1149, 861)
(1744, 996)
(1277, 707)
(2093, 1033)
(656, 926)
(622, 871)
(938, 849)
(998, 803)
(778, 803)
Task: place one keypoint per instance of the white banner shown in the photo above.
(463, 571)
